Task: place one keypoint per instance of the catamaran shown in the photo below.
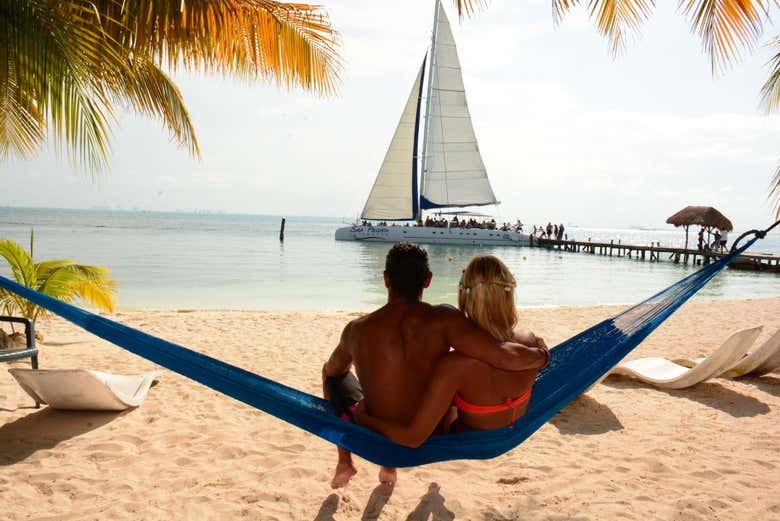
(451, 174)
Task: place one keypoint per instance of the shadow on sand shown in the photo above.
(710, 394)
(377, 501)
(431, 506)
(768, 384)
(45, 429)
(328, 508)
(586, 416)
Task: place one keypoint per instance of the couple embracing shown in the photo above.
(427, 369)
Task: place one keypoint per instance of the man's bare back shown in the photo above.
(395, 349)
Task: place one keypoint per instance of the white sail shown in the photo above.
(453, 173)
(394, 195)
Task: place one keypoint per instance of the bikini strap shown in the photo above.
(513, 404)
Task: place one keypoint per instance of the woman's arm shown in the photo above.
(435, 403)
(466, 337)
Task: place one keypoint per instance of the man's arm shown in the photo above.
(340, 359)
(469, 339)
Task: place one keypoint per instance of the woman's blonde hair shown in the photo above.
(486, 295)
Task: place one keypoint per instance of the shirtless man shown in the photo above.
(395, 348)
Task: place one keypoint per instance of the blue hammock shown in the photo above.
(575, 365)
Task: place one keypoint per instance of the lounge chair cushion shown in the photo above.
(83, 389)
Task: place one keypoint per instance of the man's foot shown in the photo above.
(387, 475)
(344, 472)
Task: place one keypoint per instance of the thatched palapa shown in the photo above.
(701, 215)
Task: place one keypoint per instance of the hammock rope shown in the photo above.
(574, 365)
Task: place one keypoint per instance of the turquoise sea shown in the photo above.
(181, 260)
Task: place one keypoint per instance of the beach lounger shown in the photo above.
(82, 389)
(760, 361)
(663, 373)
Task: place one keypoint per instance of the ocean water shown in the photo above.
(179, 260)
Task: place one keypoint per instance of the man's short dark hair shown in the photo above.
(407, 268)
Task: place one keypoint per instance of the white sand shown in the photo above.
(623, 451)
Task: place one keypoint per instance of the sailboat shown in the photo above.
(451, 171)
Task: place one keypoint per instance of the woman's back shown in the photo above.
(482, 385)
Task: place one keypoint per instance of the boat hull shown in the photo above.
(430, 235)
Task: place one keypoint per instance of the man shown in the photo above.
(395, 348)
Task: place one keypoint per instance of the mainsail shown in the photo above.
(394, 195)
(453, 173)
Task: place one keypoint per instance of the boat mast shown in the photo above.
(431, 65)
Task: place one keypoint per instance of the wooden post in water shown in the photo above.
(281, 231)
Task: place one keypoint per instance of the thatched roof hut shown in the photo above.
(706, 216)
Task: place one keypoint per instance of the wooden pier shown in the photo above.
(655, 252)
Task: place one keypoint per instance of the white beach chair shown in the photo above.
(758, 362)
(663, 373)
(82, 389)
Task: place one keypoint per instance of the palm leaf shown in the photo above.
(770, 92)
(99, 293)
(55, 54)
(64, 65)
(144, 87)
(727, 27)
(19, 261)
(614, 18)
(44, 270)
(92, 284)
(469, 7)
(250, 39)
(774, 193)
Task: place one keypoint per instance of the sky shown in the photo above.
(567, 133)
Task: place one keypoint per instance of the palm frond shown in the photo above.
(292, 43)
(43, 271)
(469, 7)
(54, 55)
(92, 284)
(614, 19)
(99, 293)
(144, 87)
(774, 193)
(770, 92)
(727, 27)
(21, 124)
(561, 7)
(19, 261)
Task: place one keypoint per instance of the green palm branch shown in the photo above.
(68, 66)
(61, 279)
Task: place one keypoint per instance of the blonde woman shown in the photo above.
(485, 397)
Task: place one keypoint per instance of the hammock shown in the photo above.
(574, 366)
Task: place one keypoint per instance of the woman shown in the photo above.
(485, 397)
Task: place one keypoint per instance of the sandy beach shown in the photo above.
(624, 450)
